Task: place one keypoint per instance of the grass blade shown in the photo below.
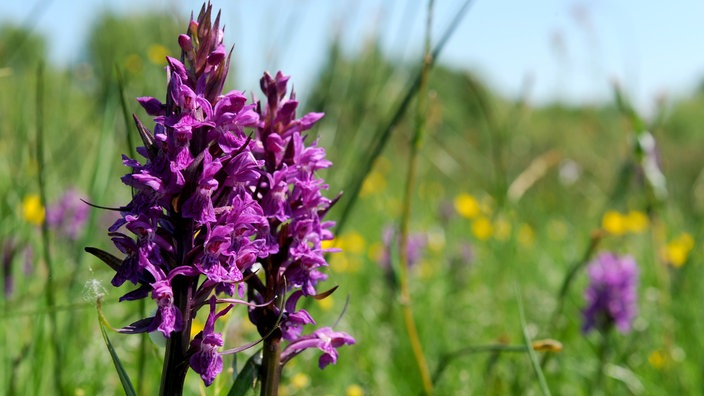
(531, 353)
(121, 372)
(247, 377)
(384, 133)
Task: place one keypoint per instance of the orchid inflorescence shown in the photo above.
(611, 294)
(227, 204)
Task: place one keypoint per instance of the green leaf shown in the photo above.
(245, 379)
(124, 378)
(529, 346)
(112, 261)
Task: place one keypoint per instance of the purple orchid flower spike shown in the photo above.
(225, 200)
(612, 293)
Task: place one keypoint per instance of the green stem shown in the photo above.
(599, 384)
(384, 133)
(271, 366)
(572, 273)
(406, 211)
(50, 291)
(270, 374)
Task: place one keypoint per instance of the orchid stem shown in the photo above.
(176, 354)
(271, 366)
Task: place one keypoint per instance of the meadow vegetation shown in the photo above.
(511, 201)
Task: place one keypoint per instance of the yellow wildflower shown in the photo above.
(636, 221)
(502, 229)
(482, 228)
(157, 54)
(326, 303)
(300, 381)
(467, 206)
(354, 390)
(526, 235)
(614, 223)
(352, 242)
(32, 209)
(658, 359)
(328, 243)
(677, 251)
(373, 183)
(196, 327)
(133, 64)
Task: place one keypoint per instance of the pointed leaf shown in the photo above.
(324, 294)
(147, 138)
(105, 257)
(246, 378)
(139, 326)
(543, 385)
(124, 378)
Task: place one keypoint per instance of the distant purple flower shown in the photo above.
(68, 215)
(611, 295)
(11, 249)
(415, 245)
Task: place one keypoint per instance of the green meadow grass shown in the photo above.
(479, 274)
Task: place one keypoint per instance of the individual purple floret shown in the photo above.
(206, 359)
(222, 185)
(324, 339)
(611, 295)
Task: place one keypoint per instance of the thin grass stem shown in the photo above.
(384, 132)
(420, 131)
(46, 251)
(531, 353)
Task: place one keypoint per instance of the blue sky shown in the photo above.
(545, 49)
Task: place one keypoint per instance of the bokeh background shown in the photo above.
(552, 131)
